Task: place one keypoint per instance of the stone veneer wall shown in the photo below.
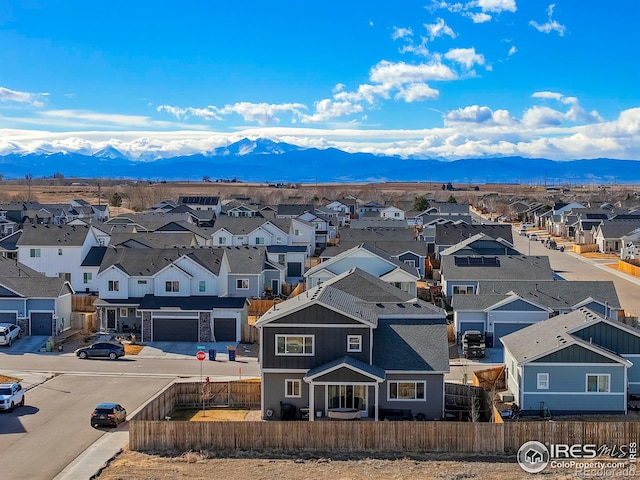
(146, 326)
(205, 327)
(23, 323)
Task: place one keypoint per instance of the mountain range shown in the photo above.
(263, 160)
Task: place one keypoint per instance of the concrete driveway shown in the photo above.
(53, 428)
(189, 349)
(25, 344)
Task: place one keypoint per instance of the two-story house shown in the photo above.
(40, 305)
(353, 345)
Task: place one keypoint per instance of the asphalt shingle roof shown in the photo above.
(149, 261)
(29, 283)
(419, 345)
(450, 234)
(192, 303)
(348, 361)
(54, 235)
(507, 267)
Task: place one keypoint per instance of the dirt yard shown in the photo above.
(304, 465)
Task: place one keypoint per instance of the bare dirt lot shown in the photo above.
(303, 465)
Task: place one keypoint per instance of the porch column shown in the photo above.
(376, 395)
(312, 411)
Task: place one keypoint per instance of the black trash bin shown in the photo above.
(232, 355)
(212, 355)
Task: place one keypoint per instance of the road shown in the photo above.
(52, 429)
(571, 266)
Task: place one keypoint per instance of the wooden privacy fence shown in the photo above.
(83, 303)
(585, 248)
(458, 437)
(237, 394)
(629, 268)
(249, 333)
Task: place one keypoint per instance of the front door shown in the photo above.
(275, 287)
(348, 396)
(111, 318)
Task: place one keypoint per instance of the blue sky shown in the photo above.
(432, 79)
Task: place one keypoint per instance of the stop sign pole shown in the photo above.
(201, 356)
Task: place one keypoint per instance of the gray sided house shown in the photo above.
(461, 274)
(576, 363)
(353, 344)
(450, 234)
(250, 272)
(40, 305)
(503, 307)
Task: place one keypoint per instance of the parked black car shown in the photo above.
(108, 414)
(101, 350)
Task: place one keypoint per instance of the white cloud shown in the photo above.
(479, 17)
(398, 73)
(497, 6)
(512, 50)
(577, 114)
(262, 113)
(399, 32)
(538, 117)
(417, 92)
(7, 95)
(475, 114)
(439, 29)
(551, 25)
(549, 95)
(465, 56)
(328, 109)
(419, 49)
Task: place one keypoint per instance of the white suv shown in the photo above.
(11, 394)
(8, 333)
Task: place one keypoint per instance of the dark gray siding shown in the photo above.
(611, 338)
(432, 408)
(274, 391)
(316, 314)
(329, 344)
(518, 306)
(574, 354)
(343, 375)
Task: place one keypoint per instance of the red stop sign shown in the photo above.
(201, 356)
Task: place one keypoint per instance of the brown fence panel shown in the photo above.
(83, 303)
(249, 333)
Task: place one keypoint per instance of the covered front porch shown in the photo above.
(344, 389)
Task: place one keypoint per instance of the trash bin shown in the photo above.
(212, 354)
(232, 354)
(48, 346)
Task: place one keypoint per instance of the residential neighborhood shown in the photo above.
(349, 309)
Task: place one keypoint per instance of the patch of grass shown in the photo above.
(7, 379)
(211, 415)
(132, 349)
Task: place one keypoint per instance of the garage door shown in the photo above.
(6, 317)
(464, 326)
(502, 329)
(224, 329)
(41, 324)
(175, 330)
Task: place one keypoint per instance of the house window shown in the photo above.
(354, 343)
(294, 344)
(87, 277)
(411, 263)
(114, 286)
(463, 290)
(138, 313)
(222, 240)
(297, 233)
(123, 312)
(242, 284)
(34, 253)
(598, 383)
(142, 282)
(278, 240)
(396, 214)
(202, 286)
(59, 251)
(281, 258)
(406, 390)
(172, 286)
(292, 389)
(543, 381)
(259, 240)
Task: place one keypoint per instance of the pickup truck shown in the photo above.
(473, 344)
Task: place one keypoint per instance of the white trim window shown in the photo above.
(114, 286)
(87, 277)
(411, 263)
(292, 388)
(543, 381)
(242, 284)
(406, 390)
(463, 289)
(123, 313)
(172, 286)
(202, 286)
(222, 240)
(259, 240)
(598, 383)
(295, 345)
(354, 343)
(35, 252)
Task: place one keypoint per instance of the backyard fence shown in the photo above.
(83, 303)
(585, 248)
(249, 333)
(341, 436)
(628, 268)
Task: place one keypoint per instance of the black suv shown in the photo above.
(109, 414)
